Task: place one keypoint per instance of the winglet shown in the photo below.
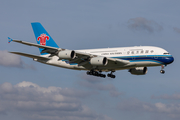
(9, 39)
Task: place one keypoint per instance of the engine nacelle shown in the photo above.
(99, 61)
(138, 71)
(67, 54)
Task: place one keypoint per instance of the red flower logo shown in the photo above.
(42, 38)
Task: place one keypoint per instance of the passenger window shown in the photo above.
(152, 51)
(142, 51)
(147, 51)
(132, 52)
(128, 52)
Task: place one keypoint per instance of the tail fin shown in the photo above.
(42, 36)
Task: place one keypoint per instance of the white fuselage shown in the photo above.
(141, 56)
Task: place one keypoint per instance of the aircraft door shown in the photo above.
(133, 55)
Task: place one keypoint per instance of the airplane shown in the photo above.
(95, 61)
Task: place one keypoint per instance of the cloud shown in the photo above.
(132, 104)
(176, 29)
(10, 60)
(39, 103)
(166, 111)
(175, 96)
(96, 84)
(142, 24)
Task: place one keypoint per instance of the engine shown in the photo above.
(138, 71)
(67, 54)
(99, 61)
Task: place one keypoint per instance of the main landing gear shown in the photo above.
(99, 74)
(95, 73)
(162, 71)
(111, 75)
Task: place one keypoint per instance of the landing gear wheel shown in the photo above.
(95, 73)
(111, 75)
(88, 73)
(103, 75)
(162, 71)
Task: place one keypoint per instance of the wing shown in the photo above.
(31, 56)
(81, 58)
(119, 61)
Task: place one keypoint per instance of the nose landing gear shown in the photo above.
(162, 71)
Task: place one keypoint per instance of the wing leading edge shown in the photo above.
(81, 57)
(31, 56)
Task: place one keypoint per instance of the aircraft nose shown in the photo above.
(169, 60)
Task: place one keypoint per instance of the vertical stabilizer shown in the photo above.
(42, 36)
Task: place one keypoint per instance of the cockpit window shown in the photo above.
(166, 53)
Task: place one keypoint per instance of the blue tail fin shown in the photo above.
(42, 36)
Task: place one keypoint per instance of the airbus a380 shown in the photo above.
(95, 61)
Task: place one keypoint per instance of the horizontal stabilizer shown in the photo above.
(31, 56)
(35, 45)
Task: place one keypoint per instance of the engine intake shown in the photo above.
(67, 54)
(99, 61)
(138, 71)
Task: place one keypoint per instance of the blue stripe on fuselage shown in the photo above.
(161, 59)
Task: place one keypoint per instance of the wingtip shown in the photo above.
(9, 39)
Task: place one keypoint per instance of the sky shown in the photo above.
(35, 91)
